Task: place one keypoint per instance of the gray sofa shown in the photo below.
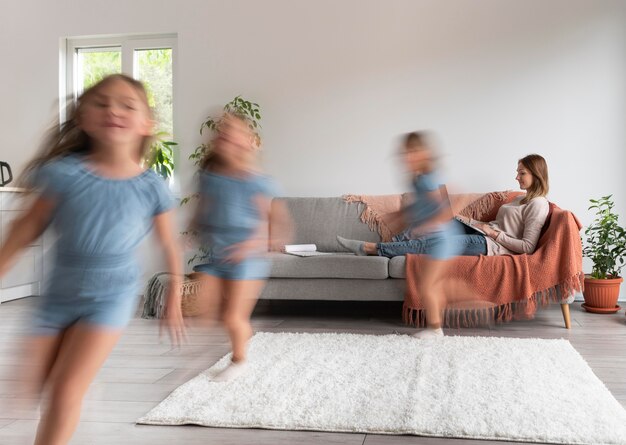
(333, 277)
(346, 276)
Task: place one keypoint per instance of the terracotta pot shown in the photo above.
(602, 294)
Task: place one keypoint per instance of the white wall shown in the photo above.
(338, 80)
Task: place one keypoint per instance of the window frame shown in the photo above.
(128, 44)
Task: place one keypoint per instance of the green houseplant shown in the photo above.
(606, 247)
(251, 112)
(161, 155)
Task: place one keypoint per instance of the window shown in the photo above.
(146, 58)
(92, 64)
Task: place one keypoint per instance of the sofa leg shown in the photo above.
(565, 310)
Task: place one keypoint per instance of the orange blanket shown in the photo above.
(508, 286)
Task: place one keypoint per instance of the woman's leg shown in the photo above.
(465, 245)
(399, 248)
(470, 244)
(82, 352)
(396, 248)
(370, 248)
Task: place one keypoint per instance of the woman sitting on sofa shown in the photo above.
(516, 228)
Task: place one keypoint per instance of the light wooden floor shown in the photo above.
(143, 370)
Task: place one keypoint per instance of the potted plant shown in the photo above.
(606, 247)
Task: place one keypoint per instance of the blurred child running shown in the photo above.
(232, 219)
(428, 228)
(92, 187)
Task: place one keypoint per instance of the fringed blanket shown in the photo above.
(155, 296)
(508, 286)
(482, 207)
(374, 210)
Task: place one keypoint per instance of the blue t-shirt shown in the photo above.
(229, 212)
(98, 217)
(424, 206)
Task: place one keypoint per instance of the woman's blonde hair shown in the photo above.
(68, 138)
(538, 168)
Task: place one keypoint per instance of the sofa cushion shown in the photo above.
(397, 266)
(329, 266)
(319, 220)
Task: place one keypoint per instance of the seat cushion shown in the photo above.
(329, 266)
(397, 267)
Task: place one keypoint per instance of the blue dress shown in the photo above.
(228, 215)
(99, 222)
(440, 240)
(424, 206)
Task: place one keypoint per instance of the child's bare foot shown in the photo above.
(429, 334)
(231, 372)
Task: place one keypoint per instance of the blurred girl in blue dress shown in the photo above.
(92, 187)
(232, 219)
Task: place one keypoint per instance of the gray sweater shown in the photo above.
(519, 226)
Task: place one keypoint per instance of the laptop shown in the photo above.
(466, 222)
(469, 224)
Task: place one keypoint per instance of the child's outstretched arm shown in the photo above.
(164, 228)
(281, 224)
(257, 241)
(25, 230)
(270, 212)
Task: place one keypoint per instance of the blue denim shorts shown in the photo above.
(101, 292)
(248, 269)
(54, 315)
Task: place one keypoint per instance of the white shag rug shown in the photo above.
(529, 390)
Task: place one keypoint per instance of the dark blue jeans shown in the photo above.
(465, 241)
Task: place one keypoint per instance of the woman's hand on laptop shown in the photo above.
(489, 231)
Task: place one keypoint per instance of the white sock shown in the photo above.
(429, 333)
(231, 372)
